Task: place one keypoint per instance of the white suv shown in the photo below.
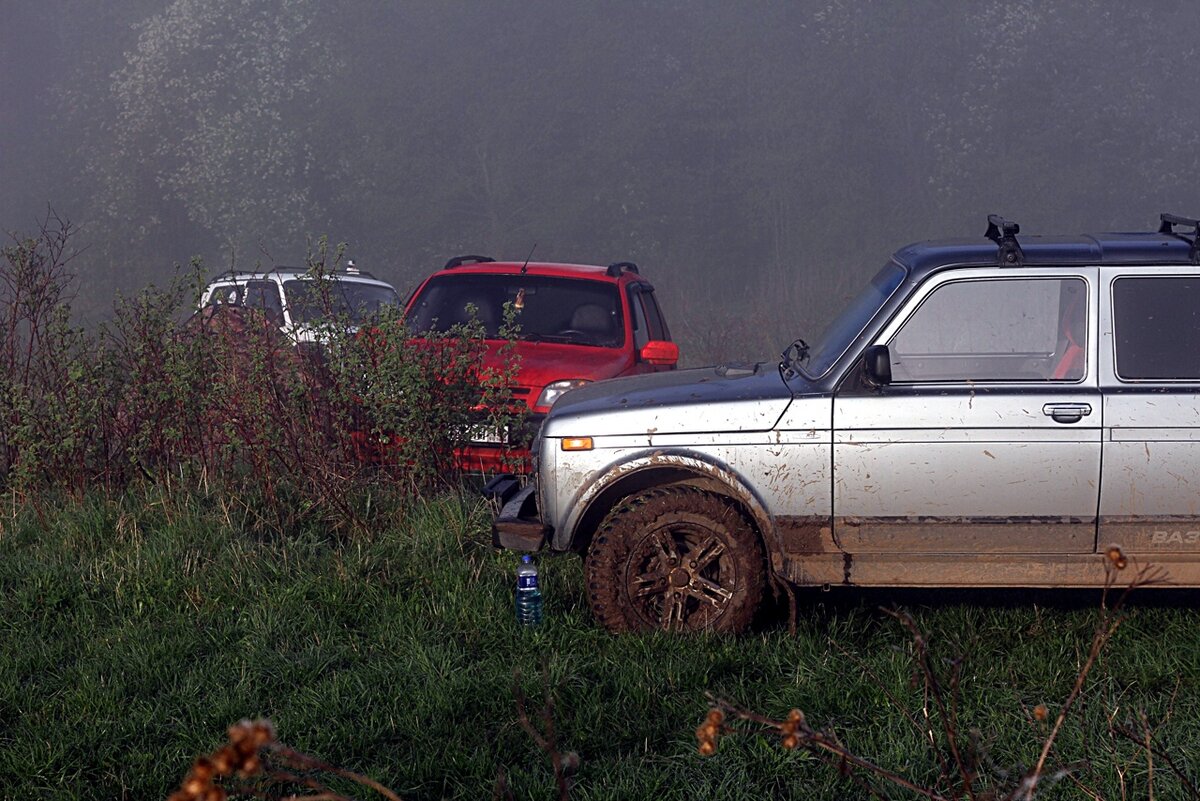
(292, 299)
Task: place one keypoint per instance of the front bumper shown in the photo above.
(505, 453)
(518, 527)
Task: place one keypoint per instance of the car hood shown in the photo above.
(556, 361)
(706, 399)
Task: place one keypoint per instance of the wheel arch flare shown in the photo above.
(658, 468)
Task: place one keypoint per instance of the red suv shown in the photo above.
(576, 324)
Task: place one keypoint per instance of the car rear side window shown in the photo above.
(1156, 323)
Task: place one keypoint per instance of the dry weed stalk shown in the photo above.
(565, 765)
(1144, 739)
(964, 770)
(254, 763)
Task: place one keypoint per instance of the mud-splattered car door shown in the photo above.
(987, 438)
(1150, 499)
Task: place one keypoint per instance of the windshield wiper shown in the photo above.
(534, 336)
(790, 361)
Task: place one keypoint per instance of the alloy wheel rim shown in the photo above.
(680, 576)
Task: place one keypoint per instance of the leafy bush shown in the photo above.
(221, 399)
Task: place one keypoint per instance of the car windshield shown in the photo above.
(840, 333)
(351, 300)
(545, 308)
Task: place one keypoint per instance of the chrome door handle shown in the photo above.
(1067, 412)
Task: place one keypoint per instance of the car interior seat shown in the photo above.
(1071, 340)
(592, 318)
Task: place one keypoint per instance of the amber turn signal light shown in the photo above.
(577, 443)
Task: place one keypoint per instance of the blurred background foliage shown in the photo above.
(758, 160)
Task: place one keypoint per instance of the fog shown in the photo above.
(759, 161)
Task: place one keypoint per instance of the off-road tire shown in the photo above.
(676, 558)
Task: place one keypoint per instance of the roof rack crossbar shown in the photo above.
(617, 267)
(1169, 221)
(1167, 226)
(1004, 234)
(459, 261)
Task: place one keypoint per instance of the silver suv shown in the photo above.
(1002, 411)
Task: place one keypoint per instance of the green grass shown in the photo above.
(133, 634)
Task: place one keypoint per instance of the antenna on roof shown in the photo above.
(1004, 234)
(525, 266)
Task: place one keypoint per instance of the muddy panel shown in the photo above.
(986, 570)
(805, 535)
(965, 535)
(1151, 536)
(815, 570)
(1150, 489)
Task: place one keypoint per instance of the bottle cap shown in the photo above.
(526, 558)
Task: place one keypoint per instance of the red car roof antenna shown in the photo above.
(525, 266)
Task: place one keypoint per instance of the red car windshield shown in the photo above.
(549, 309)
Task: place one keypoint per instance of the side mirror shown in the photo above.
(660, 353)
(878, 363)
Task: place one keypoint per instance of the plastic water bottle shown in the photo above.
(529, 596)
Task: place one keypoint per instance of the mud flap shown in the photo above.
(518, 526)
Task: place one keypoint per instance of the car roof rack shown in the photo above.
(618, 267)
(349, 269)
(459, 261)
(1004, 234)
(353, 269)
(1167, 226)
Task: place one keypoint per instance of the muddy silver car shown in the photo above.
(1006, 411)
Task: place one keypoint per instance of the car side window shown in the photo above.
(641, 327)
(225, 294)
(654, 319)
(1006, 329)
(1156, 323)
(264, 295)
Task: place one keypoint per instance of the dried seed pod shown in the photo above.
(224, 760)
(250, 766)
(203, 769)
(194, 786)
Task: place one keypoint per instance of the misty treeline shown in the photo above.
(759, 160)
(220, 404)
